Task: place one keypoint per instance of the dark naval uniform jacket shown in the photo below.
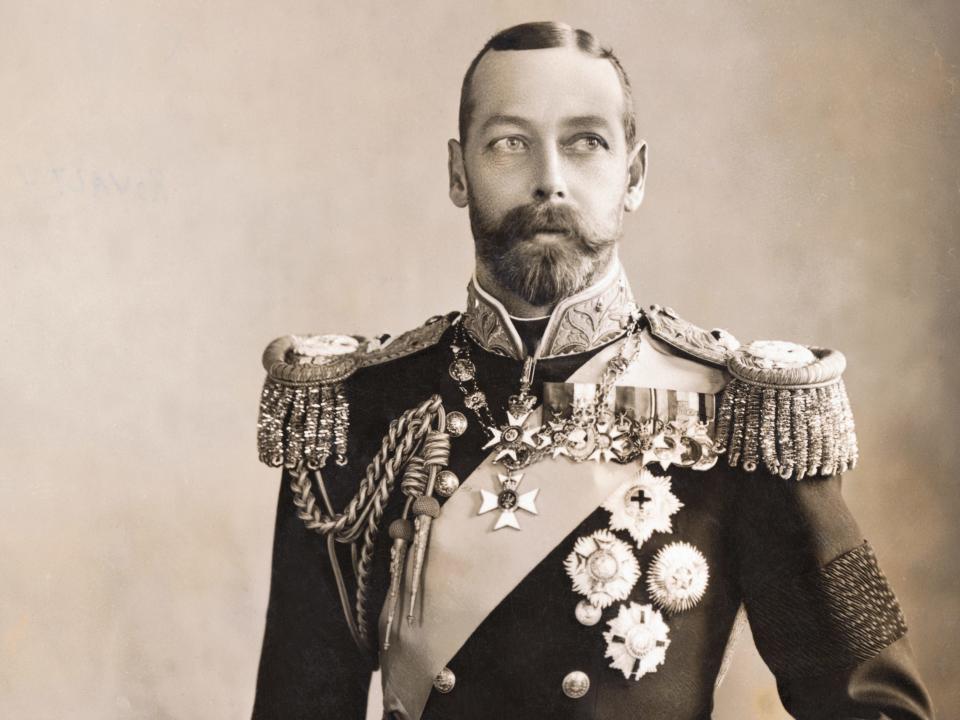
(580, 601)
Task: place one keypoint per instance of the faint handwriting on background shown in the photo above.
(145, 185)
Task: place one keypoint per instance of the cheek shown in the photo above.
(501, 187)
(600, 192)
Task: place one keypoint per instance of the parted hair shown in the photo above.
(540, 36)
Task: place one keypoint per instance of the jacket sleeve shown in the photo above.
(309, 664)
(823, 616)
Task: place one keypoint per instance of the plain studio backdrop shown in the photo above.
(182, 182)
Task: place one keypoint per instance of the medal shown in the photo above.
(678, 577)
(508, 501)
(602, 568)
(637, 640)
(643, 506)
(512, 442)
(591, 434)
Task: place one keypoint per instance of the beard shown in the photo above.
(541, 273)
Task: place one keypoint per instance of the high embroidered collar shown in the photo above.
(581, 322)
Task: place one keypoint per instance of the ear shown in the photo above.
(458, 175)
(638, 177)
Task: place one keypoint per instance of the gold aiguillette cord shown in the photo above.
(436, 455)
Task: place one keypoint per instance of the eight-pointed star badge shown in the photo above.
(642, 506)
(508, 500)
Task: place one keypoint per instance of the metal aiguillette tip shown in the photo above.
(425, 508)
(401, 532)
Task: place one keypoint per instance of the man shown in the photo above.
(554, 504)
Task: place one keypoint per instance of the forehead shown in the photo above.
(545, 85)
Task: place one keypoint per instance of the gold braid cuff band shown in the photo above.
(787, 407)
(304, 412)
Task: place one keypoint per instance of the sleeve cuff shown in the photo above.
(830, 619)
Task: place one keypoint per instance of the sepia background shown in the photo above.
(181, 182)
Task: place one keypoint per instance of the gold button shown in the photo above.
(444, 681)
(456, 423)
(576, 684)
(587, 613)
(446, 484)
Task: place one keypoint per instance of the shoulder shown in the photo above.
(325, 359)
(784, 405)
(304, 413)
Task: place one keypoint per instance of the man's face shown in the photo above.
(546, 171)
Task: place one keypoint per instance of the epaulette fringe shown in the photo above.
(787, 407)
(304, 411)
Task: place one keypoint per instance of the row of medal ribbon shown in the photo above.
(669, 427)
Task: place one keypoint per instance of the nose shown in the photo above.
(550, 184)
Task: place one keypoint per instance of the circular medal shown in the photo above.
(462, 370)
(678, 577)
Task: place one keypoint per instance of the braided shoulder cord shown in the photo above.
(411, 427)
(363, 513)
(435, 451)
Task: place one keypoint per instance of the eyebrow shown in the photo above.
(504, 120)
(580, 121)
(586, 121)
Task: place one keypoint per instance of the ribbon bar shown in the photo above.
(640, 403)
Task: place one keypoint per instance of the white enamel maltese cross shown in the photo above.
(508, 500)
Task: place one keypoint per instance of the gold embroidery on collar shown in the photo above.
(581, 322)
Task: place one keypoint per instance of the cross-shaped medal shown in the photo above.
(508, 500)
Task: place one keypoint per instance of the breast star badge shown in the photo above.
(602, 568)
(678, 577)
(508, 501)
(642, 506)
(637, 640)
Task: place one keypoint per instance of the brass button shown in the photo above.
(444, 681)
(446, 484)
(456, 423)
(587, 613)
(576, 684)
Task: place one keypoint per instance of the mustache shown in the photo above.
(525, 221)
(540, 273)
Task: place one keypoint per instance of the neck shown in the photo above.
(516, 305)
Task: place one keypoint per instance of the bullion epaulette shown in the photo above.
(409, 342)
(710, 346)
(304, 412)
(786, 406)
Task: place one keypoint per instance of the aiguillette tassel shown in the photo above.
(426, 508)
(436, 455)
(401, 532)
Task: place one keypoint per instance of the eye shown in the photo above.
(588, 144)
(511, 144)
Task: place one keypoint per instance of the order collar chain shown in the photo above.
(517, 447)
